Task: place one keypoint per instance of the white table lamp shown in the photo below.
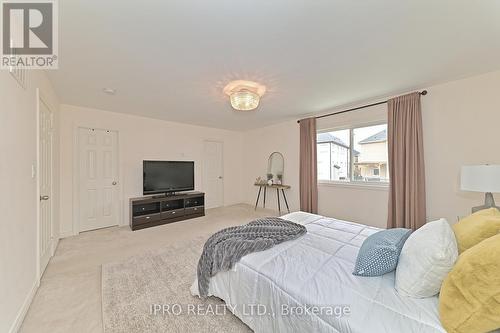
(482, 178)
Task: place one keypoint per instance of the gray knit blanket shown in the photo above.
(226, 247)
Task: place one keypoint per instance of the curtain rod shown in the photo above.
(423, 93)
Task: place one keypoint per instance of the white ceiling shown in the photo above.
(170, 59)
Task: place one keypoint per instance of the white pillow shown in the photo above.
(427, 257)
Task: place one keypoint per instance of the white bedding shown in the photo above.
(316, 270)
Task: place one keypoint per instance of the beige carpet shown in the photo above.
(131, 289)
(69, 297)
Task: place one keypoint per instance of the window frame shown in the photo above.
(383, 185)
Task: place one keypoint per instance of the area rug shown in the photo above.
(150, 293)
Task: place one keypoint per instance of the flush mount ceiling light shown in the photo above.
(244, 95)
(109, 91)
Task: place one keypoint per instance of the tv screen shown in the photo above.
(167, 176)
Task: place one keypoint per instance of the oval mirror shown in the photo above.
(275, 168)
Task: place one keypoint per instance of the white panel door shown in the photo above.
(213, 174)
(45, 186)
(98, 164)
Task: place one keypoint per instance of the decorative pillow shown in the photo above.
(379, 253)
(476, 228)
(469, 301)
(427, 257)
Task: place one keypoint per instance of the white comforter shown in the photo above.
(264, 288)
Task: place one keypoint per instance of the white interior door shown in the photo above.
(45, 186)
(98, 164)
(213, 174)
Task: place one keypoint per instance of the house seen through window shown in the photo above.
(353, 155)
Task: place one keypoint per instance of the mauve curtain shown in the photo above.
(406, 163)
(308, 166)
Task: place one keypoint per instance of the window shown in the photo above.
(353, 155)
(333, 155)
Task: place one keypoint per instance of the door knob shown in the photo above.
(114, 182)
(44, 197)
(220, 177)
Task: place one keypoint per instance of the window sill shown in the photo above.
(354, 185)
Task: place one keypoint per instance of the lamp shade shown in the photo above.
(481, 178)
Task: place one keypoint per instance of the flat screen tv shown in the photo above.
(167, 176)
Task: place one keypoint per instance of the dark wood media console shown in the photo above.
(148, 212)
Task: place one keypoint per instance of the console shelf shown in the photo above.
(151, 211)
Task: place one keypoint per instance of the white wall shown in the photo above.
(18, 201)
(354, 203)
(144, 138)
(461, 121)
(258, 145)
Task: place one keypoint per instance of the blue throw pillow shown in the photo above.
(379, 253)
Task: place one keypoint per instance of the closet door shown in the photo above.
(98, 164)
(213, 174)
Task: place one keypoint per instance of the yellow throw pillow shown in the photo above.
(476, 228)
(469, 301)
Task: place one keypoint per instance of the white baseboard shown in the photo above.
(29, 298)
(24, 309)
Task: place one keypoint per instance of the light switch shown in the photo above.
(33, 171)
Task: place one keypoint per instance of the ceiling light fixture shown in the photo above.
(244, 95)
(109, 91)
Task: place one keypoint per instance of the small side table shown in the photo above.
(278, 188)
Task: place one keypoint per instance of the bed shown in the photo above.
(306, 285)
